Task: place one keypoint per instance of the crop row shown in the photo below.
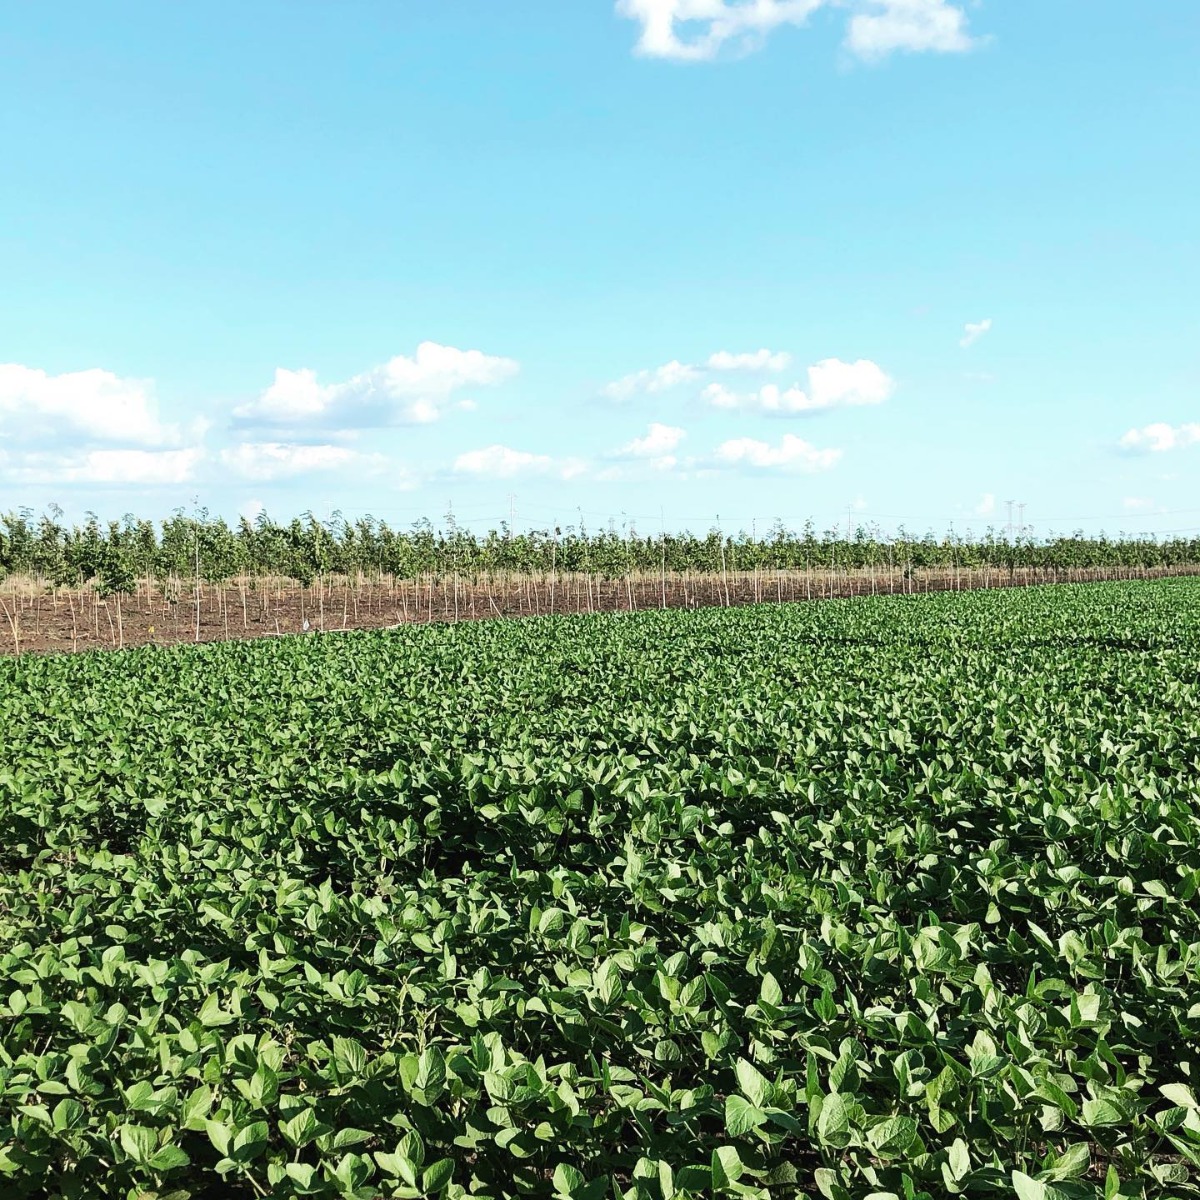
(889, 898)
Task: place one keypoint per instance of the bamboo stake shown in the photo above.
(13, 624)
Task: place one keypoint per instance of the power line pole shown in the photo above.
(1008, 532)
(512, 514)
(1021, 510)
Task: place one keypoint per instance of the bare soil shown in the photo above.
(38, 619)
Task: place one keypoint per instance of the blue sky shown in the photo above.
(653, 260)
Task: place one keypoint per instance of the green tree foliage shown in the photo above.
(191, 546)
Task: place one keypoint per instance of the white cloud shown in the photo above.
(294, 396)
(503, 462)
(834, 383)
(674, 373)
(986, 506)
(757, 360)
(792, 454)
(660, 439)
(1137, 503)
(656, 449)
(974, 330)
(698, 30)
(93, 404)
(654, 379)
(403, 390)
(768, 399)
(1161, 437)
(831, 384)
(267, 461)
(130, 467)
(712, 23)
(912, 25)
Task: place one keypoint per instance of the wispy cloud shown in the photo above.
(913, 26)
(700, 30)
(674, 373)
(504, 462)
(974, 330)
(130, 468)
(651, 380)
(755, 360)
(269, 461)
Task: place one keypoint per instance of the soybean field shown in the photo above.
(888, 898)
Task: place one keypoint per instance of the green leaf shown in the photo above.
(608, 982)
(770, 991)
(139, 1096)
(220, 1135)
(302, 1128)
(829, 1185)
(349, 1057)
(348, 1136)
(1112, 1183)
(139, 1142)
(753, 1084)
(833, 1125)
(567, 1180)
(431, 1075)
(301, 1173)
(741, 1116)
(666, 1180)
(726, 1167)
(1028, 1188)
(250, 1142)
(785, 1120)
(168, 1158)
(1073, 1162)
(396, 1165)
(1180, 1094)
(437, 1176)
(893, 1136)
(352, 1171)
(1168, 1173)
(959, 1159)
(1101, 1113)
(196, 1108)
(212, 1014)
(66, 1115)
